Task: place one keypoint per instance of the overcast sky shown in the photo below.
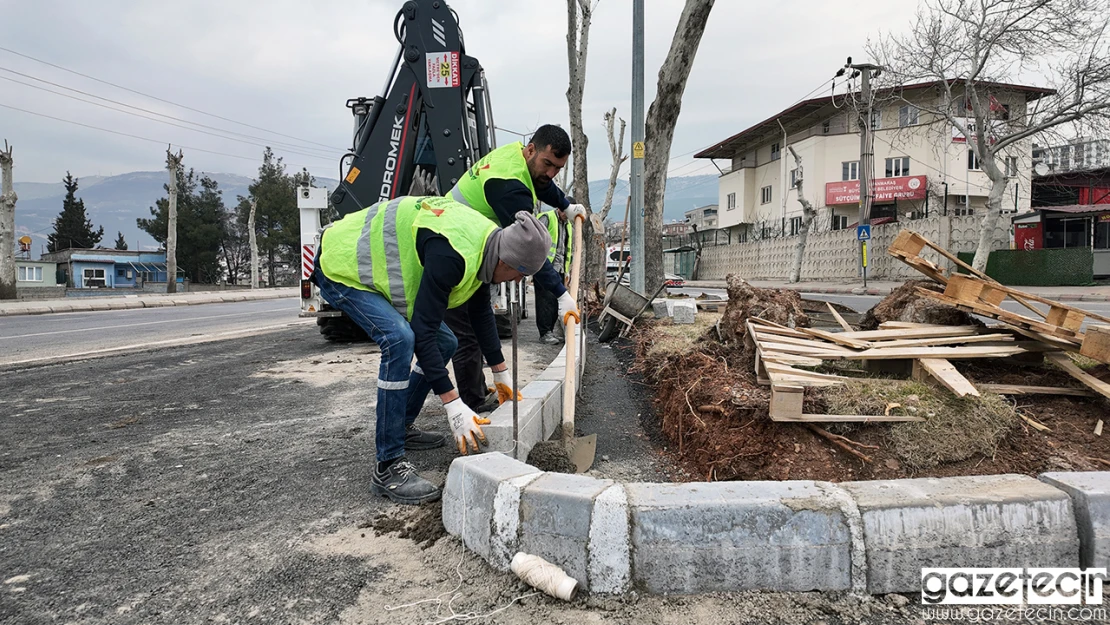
(288, 66)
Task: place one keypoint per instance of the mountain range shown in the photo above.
(115, 202)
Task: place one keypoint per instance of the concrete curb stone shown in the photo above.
(1090, 494)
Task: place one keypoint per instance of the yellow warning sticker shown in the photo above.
(638, 149)
(352, 175)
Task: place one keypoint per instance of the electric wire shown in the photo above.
(164, 101)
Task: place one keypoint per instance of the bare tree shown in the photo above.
(659, 130)
(173, 165)
(254, 244)
(808, 215)
(7, 225)
(976, 52)
(579, 15)
(595, 246)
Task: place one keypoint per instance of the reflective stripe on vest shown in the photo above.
(505, 163)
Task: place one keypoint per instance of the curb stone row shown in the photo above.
(129, 302)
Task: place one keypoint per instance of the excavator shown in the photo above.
(430, 123)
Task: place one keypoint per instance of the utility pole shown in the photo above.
(637, 173)
(866, 71)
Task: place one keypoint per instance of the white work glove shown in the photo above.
(503, 381)
(465, 425)
(568, 308)
(574, 210)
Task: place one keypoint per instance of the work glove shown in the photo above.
(503, 380)
(575, 209)
(568, 308)
(465, 425)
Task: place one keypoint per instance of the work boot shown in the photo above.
(489, 404)
(549, 339)
(419, 440)
(400, 482)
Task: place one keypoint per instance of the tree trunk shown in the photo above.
(254, 245)
(595, 248)
(659, 130)
(988, 224)
(172, 164)
(578, 39)
(7, 226)
(808, 215)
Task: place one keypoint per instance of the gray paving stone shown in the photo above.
(685, 311)
(976, 521)
(1090, 496)
(468, 496)
(555, 513)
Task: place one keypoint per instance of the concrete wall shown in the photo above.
(831, 255)
(40, 292)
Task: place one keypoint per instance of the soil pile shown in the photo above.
(744, 300)
(906, 304)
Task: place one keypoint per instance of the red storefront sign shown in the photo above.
(1028, 236)
(883, 190)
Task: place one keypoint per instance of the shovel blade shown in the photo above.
(582, 451)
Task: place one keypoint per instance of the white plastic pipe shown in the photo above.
(544, 576)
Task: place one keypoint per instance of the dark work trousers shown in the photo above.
(467, 361)
(547, 310)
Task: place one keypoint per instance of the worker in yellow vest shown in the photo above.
(561, 232)
(510, 179)
(395, 269)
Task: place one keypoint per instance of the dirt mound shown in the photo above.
(423, 525)
(906, 304)
(550, 456)
(744, 300)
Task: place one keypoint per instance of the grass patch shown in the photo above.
(677, 338)
(954, 428)
(1083, 362)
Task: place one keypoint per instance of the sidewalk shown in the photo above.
(146, 300)
(1100, 293)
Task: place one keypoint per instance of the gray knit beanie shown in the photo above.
(524, 244)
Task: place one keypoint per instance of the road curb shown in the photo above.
(1090, 495)
(150, 301)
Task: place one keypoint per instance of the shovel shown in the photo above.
(580, 450)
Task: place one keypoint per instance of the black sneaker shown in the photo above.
(402, 484)
(419, 440)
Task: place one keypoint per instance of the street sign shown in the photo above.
(863, 233)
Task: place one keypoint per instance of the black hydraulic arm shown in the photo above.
(433, 113)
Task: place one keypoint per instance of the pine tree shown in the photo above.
(72, 228)
(120, 243)
(201, 225)
(277, 219)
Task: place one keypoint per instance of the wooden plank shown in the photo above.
(762, 329)
(970, 351)
(836, 337)
(1017, 389)
(942, 371)
(806, 342)
(912, 333)
(945, 340)
(891, 325)
(839, 319)
(1096, 344)
(792, 359)
(786, 401)
(1007, 317)
(803, 372)
(1065, 362)
(839, 418)
(804, 350)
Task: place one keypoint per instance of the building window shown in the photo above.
(121, 273)
(876, 119)
(897, 167)
(839, 222)
(765, 195)
(793, 178)
(30, 274)
(94, 277)
(776, 151)
(826, 126)
(973, 160)
(849, 170)
(731, 201)
(1011, 167)
(963, 207)
(907, 115)
(795, 225)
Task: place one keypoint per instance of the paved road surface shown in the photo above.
(30, 338)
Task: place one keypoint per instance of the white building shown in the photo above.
(922, 164)
(1075, 155)
(703, 218)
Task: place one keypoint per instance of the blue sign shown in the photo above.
(863, 233)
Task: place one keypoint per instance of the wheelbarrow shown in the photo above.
(622, 306)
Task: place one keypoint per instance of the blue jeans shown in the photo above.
(402, 388)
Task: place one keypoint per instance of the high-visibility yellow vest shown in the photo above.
(374, 249)
(551, 219)
(505, 163)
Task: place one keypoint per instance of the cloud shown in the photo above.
(289, 66)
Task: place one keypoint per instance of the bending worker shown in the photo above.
(395, 269)
(510, 179)
(561, 232)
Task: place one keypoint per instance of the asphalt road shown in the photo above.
(27, 339)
